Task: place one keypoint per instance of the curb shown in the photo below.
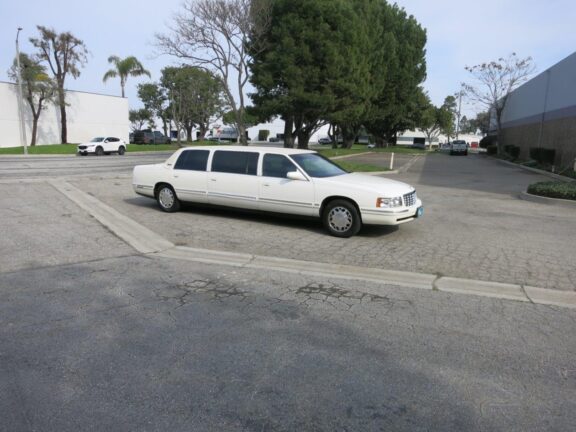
(548, 201)
(537, 171)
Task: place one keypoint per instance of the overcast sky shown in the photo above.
(460, 33)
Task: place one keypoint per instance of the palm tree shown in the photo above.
(130, 66)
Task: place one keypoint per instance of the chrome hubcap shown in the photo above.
(340, 219)
(166, 198)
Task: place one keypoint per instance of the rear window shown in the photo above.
(193, 160)
(235, 162)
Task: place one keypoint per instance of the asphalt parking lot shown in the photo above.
(474, 226)
(97, 336)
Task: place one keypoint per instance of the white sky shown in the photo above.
(460, 33)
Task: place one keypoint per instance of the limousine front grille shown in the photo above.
(410, 199)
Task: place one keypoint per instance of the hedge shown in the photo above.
(543, 155)
(491, 149)
(552, 189)
(263, 134)
(512, 151)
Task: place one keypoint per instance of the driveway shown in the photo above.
(474, 226)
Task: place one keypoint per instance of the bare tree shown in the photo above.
(65, 54)
(494, 83)
(213, 35)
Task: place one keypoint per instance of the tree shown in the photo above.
(434, 120)
(481, 123)
(139, 117)
(195, 97)
(309, 68)
(37, 88)
(154, 98)
(451, 107)
(123, 68)
(494, 81)
(400, 67)
(213, 35)
(64, 54)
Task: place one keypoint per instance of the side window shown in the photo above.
(235, 162)
(193, 160)
(111, 139)
(275, 165)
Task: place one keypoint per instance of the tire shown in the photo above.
(341, 218)
(99, 151)
(121, 150)
(167, 199)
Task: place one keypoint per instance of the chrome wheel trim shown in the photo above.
(340, 219)
(166, 197)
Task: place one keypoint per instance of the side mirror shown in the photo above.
(296, 175)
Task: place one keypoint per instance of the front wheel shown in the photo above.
(99, 151)
(167, 199)
(341, 218)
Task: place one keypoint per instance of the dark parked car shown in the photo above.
(150, 137)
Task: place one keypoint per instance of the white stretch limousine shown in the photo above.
(277, 180)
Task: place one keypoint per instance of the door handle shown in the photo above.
(266, 185)
(213, 179)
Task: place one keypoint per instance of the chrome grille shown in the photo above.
(410, 199)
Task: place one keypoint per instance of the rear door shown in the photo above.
(189, 176)
(232, 180)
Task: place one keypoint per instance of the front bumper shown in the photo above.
(376, 216)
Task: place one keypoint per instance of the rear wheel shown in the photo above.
(121, 150)
(167, 199)
(341, 218)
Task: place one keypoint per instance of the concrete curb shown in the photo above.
(537, 171)
(548, 201)
(148, 242)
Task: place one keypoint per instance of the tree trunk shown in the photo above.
(189, 132)
(288, 137)
(242, 133)
(303, 138)
(34, 130)
(348, 136)
(63, 122)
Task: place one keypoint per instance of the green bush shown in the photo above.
(543, 155)
(492, 149)
(263, 135)
(488, 140)
(554, 190)
(512, 151)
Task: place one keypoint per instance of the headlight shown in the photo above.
(389, 202)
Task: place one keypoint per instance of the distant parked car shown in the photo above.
(459, 147)
(325, 140)
(150, 137)
(102, 145)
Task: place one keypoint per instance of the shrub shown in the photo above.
(492, 149)
(513, 151)
(543, 155)
(263, 134)
(488, 140)
(554, 190)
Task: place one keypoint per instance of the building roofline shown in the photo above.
(75, 91)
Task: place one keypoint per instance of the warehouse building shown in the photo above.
(88, 114)
(542, 114)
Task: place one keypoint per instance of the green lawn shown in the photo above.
(359, 167)
(358, 148)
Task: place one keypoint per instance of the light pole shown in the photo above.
(20, 101)
(459, 112)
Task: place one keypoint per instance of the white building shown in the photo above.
(88, 115)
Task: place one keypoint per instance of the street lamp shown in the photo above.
(20, 101)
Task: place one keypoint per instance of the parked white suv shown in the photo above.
(102, 145)
(459, 147)
(278, 180)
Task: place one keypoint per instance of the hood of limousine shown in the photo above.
(380, 185)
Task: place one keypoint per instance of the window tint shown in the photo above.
(316, 165)
(194, 160)
(112, 139)
(275, 165)
(235, 162)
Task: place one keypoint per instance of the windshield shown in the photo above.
(316, 165)
(97, 139)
